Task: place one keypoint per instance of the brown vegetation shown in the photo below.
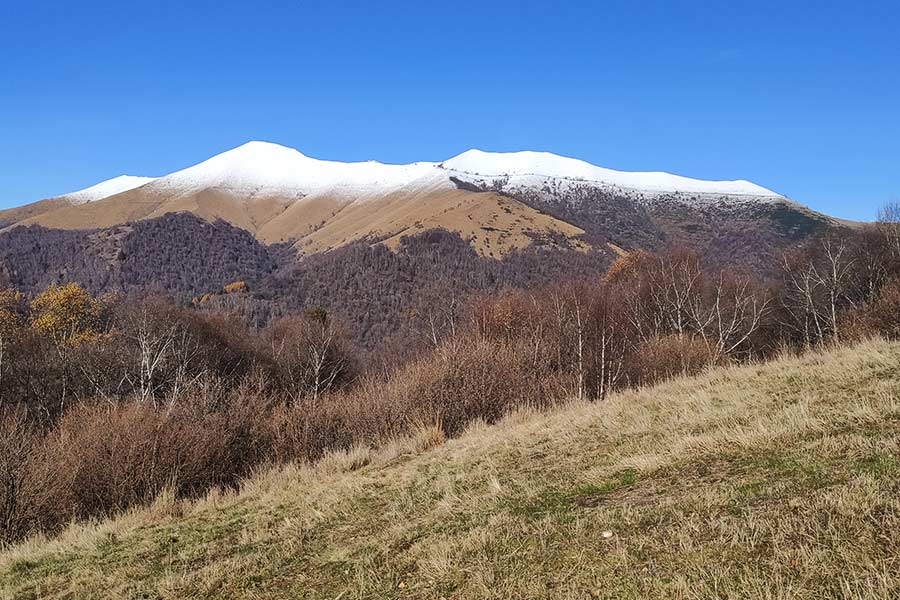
(773, 480)
(106, 402)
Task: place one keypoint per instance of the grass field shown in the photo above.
(772, 481)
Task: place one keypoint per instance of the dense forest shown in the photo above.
(379, 293)
(107, 399)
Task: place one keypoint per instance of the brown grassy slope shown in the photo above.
(131, 205)
(28, 211)
(774, 481)
(149, 202)
(495, 224)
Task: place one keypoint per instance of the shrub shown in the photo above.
(665, 357)
(881, 317)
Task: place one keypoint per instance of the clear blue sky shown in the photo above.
(803, 99)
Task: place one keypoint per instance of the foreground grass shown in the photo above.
(772, 481)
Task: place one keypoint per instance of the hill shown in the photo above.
(764, 481)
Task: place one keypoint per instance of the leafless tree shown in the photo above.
(729, 313)
(674, 285)
(800, 299)
(436, 322)
(611, 351)
(310, 353)
(817, 285)
(186, 349)
(154, 343)
(834, 277)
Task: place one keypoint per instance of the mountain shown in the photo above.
(499, 202)
(107, 188)
(377, 242)
(280, 195)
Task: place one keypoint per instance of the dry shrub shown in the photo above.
(666, 357)
(470, 379)
(465, 380)
(881, 317)
(101, 458)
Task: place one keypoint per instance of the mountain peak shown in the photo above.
(258, 166)
(258, 147)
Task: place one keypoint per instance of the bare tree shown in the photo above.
(436, 322)
(834, 277)
(800, 299)
(729, 313)
(154, 342)
(311, 355)
(611, 351)
(818, 284)
(186, 349)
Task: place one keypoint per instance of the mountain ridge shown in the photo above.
(258, 164)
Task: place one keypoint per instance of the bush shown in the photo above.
(881, 317)
(667, 357)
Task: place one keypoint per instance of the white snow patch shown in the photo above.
(107, 188)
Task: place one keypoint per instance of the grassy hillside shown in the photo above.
(769, 481)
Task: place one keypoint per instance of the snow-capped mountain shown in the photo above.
(367, 239)
(499, 202)
(267, 168)
(262, 167)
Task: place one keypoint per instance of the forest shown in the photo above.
(108, 400)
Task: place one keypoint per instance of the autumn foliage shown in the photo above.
(67, 313)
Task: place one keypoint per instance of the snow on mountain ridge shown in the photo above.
(528, 164)
(107, 188)
(268, 168)
(263, 166)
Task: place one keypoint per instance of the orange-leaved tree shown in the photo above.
(67, 313)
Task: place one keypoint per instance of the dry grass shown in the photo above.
(772, 481)
(494, 224)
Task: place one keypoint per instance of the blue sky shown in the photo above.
(801, 97)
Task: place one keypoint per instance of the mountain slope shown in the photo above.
(765, 481)
(93, 193)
